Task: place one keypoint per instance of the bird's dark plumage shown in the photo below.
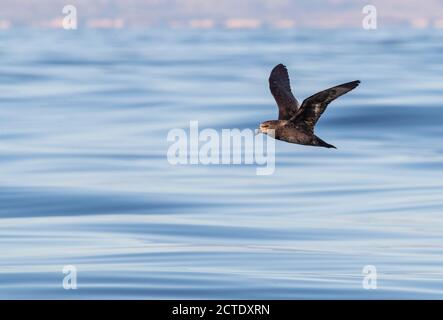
(296, 124)
(281, 90)
(314, 106)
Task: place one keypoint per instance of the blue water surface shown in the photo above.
(85, 181)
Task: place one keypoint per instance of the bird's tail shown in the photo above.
(321, 143)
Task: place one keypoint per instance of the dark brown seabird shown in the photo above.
(296, 123)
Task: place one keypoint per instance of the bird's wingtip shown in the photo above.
(352, 85)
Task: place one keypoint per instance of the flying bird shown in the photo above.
(296, 123)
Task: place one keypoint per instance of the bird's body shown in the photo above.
(296, 123)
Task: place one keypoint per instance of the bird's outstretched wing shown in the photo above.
(281, 90)
(313, 107)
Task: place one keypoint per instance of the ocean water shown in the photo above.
(84, 178)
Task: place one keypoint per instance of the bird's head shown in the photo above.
(268, 126)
